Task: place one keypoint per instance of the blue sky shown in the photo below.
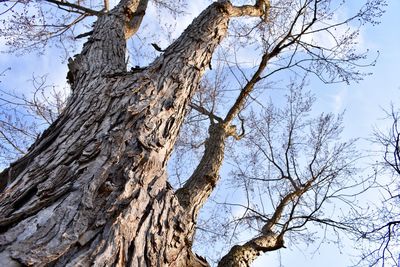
(363, 102)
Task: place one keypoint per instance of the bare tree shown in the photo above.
(93, 188)
(383, 231)
(290, 173)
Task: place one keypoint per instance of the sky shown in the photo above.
(363, 102)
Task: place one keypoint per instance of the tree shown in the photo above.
(383, 231)
(93, 188)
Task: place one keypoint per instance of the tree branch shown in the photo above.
(134, 11)
(104, 52)
(77, 7)
(201, 183)
(244, 255)
(261, 8)
(204, 111)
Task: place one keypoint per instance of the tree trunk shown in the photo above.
(93, 189)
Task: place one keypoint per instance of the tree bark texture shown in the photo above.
(93, 189)
(199, 186)
(244, 255)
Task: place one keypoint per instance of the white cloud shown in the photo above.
(339, 99)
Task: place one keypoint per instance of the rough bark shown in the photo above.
(201, 183)
(244, 255)
(92, 190)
